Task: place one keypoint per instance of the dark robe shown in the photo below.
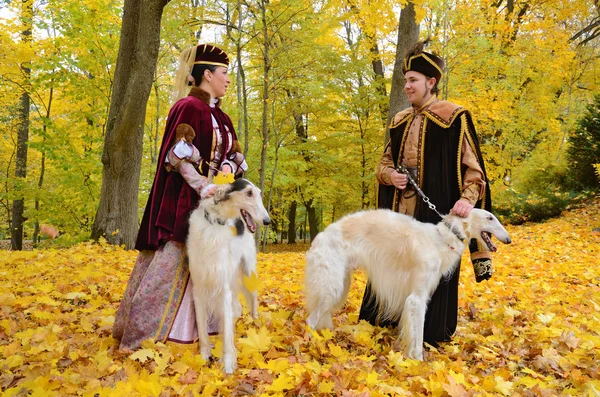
(171, 199)
(441, 180)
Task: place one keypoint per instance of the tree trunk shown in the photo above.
(292, 223)
(312, 219)
(265, 94)
(117, 215)
(265, 103)
(36, 231)
(408, 35)
(18, 207)
(154, 149)
(379, 82)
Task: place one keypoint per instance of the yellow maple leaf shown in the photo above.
(14, 361)
(221, 179)
(179, 367)
(503, 386)
(251, 282)
(372, 378)
(335, 350)
(103, 362)
(326, 387)
(276, 366)
(283, 382)
(149, 388)
(142, 355)
(256, 342)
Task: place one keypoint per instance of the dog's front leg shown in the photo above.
(202, 325)
(412, 324)
(249, 270)
(228, 329)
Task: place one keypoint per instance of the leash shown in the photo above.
(403, 170)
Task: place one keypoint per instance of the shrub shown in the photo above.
(584, 148)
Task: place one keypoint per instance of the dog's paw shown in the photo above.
(229, 364)
(205, 352)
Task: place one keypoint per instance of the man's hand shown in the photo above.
(399, 180)
(462, 208)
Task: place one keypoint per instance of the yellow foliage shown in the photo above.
(531, 329)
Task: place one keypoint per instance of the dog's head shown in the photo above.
(241, 198)
(480, 225)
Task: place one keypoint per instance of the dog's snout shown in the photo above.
(507, 241)
(267, 221)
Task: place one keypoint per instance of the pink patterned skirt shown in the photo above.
(158, 303)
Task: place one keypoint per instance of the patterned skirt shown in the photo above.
(158, 303)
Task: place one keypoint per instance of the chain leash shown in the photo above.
(403, 170)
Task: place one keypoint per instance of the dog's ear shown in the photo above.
(222, 193)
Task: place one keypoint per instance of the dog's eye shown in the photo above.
(249, 194)
(489, 218)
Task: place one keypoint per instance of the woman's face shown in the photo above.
(218, 81)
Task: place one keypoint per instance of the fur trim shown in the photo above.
(185, 131)
(204, 96)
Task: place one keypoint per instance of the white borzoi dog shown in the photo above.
(221, 251)
(405, 260)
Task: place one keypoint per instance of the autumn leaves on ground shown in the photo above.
(533, 330)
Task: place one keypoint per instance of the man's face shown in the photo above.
(418, 87)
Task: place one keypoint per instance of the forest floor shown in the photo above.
(532, 330)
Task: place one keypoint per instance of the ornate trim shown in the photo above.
(394, 124)
(174, 288)
(463, 132)
(440, 121)
(421, 160)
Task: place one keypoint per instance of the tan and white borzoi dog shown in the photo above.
(220, 247)
(405, 260)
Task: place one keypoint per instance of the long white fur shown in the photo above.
(218, 260)
(405, 260)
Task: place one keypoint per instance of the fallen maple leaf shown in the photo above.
(189, 378)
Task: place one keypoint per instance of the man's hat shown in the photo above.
(207, 54)
(420, 61)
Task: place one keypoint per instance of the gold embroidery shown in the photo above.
(421, 162)
(463, 132)
(468, 133)
(440, 121)
(211, 63)
(402, 120)
(173, 289)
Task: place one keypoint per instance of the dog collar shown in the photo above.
(211, 220)
(458, 235)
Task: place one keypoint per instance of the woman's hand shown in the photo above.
(226, 169)
(208, 191)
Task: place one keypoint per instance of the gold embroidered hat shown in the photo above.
(207, 54)
(420, 61)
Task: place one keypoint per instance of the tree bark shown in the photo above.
(408, 35)
(18, 207)
(36, 231)
(313, 225)
(292, 223)
(117, 215)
